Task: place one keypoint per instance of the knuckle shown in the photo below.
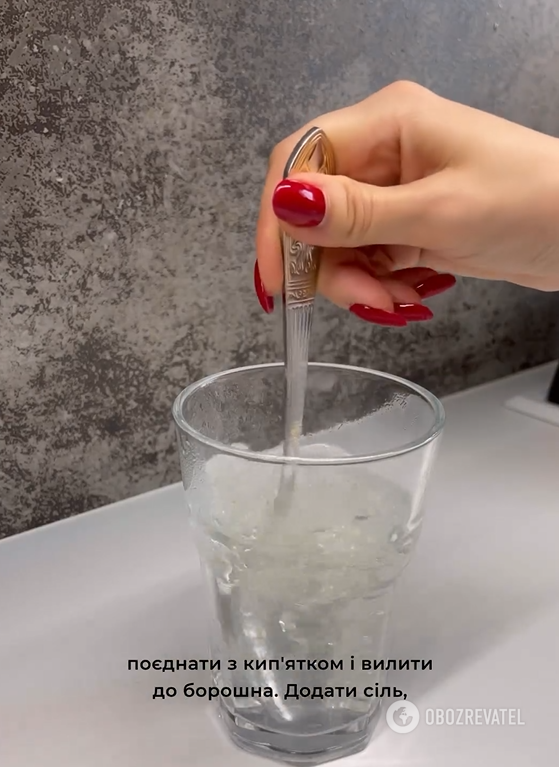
(407, 89)
(359, 212)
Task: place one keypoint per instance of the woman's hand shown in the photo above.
(427, 188)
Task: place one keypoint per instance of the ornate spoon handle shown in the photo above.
(313, 153)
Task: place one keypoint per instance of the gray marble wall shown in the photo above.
(134, 137)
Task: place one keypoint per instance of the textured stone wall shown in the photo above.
(133, 143)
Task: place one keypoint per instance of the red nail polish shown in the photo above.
(414, 312)
(379, 317)
(436, 284)
(265, 301)
(298, 204)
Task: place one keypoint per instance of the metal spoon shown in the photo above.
(313, 153)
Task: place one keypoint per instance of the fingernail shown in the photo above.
(298, 204)
(265, 301)
(414, 312)
(436, 284)
(379, 317)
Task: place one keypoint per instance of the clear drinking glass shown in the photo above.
(301, 594)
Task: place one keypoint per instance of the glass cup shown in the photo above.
(300, 592)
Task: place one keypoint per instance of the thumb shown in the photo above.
(338, 212)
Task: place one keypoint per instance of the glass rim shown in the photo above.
(253, 455)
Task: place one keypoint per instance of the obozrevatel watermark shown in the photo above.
(404, 716)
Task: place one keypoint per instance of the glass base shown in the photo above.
(315, 748)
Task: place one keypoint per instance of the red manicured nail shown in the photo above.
(436, 284)
(414, 312)
(266, 301)
(298, 204)
(370, 314)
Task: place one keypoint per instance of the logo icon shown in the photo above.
(402, 716)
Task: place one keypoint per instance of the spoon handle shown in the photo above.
(313, 153)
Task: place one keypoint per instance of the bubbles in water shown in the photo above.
(315, 584)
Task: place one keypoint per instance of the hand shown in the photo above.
(427, 188)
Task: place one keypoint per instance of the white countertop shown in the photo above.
(481, 599)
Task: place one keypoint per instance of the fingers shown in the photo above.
(268, 253)
(338, 126)
(345, 281)
(364, 204)
(383, 301)
(369, 129)
(352, 280)
(414, 276)
(342, 213)
(339, 212)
